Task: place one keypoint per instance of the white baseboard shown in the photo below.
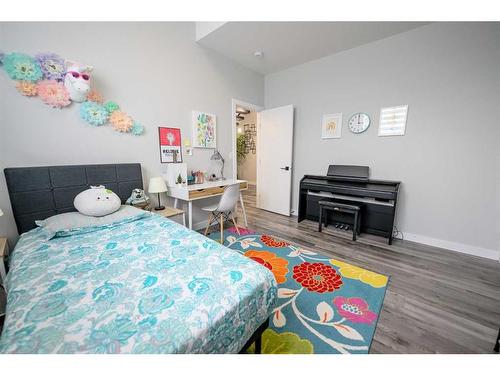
(449, 245)
(453, 246)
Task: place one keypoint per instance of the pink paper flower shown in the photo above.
(120, 121)
(243, 231)
(354, 309)
(27, 88)
(53, 93)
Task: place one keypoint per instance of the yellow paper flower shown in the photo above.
(120, 121)
(95, 96)
(376, 280)
(27, 88)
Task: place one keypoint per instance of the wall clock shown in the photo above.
(359, 122)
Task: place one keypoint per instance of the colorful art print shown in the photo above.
(204, 130)
(170, 145)
(331, 126)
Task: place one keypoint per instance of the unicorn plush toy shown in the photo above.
(77, 81)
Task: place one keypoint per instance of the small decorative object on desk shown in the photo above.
(139, 199)
(179, 180)
(199, 177)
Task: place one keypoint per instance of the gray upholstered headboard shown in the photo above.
(40, 192)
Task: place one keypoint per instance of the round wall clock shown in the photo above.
(359, 122)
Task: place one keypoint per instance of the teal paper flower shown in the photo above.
(22, 67)
(111, 107)
(137, 129)
(94, 113)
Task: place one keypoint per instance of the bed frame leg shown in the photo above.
(258, 344)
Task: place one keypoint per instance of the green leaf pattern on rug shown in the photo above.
(283, 343)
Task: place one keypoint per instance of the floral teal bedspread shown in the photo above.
(147, 286)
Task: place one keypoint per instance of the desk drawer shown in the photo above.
(194, 194)
(205, 192)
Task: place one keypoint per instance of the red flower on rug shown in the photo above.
(273, 242)
(354, 309)
(277, 265)
(317, 277)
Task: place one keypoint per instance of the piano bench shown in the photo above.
(340, 207)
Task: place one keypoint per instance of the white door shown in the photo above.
(274, 159)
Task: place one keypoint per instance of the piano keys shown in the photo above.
(351, 184)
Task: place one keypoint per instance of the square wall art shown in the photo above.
(331, 126)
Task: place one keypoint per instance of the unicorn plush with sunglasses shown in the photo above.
(77, 81)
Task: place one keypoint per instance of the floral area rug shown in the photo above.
(323, 306)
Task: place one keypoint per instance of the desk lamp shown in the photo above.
(217, 156)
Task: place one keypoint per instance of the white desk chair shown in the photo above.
(224, 210)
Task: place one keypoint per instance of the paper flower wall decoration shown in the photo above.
(22, 67)
(120, 121)
(53, 93)
(95, 96)
(52, 66)
(94, 113)
(59, 82)
(137, 129)
(111, 107)
(27, 88)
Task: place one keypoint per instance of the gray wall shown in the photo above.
(155, 71)
(449, 75)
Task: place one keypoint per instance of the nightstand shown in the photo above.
(4, 252)
(170, 212)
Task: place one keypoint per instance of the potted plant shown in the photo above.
(240, 148)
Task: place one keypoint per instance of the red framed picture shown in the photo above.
(170, 145)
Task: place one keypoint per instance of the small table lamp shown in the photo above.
(157, 185)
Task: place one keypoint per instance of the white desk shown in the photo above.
(190, 193)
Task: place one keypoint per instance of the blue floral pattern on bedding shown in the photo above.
(147, 286)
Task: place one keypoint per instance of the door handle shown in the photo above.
(287, 168)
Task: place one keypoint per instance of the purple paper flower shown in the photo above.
(52, 65)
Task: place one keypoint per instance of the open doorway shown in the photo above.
(245, 117)
(265, 153)
(246, 145)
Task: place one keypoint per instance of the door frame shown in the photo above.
(253, 107)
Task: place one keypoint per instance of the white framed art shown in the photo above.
(204, 130)
(392, 121)
(331, 126)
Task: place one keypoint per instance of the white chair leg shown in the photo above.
(221, 229)
(235, 225)
(208, 223)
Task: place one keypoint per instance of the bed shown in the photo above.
(147, 285)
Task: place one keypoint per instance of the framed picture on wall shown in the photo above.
(331, 126)
(170, 145)
(204, 130)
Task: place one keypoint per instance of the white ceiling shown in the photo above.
(286, 44)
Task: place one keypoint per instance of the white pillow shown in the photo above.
(97, 201)
(72, 223)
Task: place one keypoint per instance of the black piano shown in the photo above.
(351, 184)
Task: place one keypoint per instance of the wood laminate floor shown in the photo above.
(437, 301)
